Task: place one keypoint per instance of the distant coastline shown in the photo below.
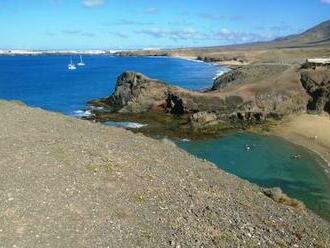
(55, 52)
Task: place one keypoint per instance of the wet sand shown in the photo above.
(310, 131)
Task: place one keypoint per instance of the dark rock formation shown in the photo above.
(136, 93)
(210, 59)
(250, 117)
(317, 85)
(174, 104)
(207, 59)
(156, 101)
(234, 76)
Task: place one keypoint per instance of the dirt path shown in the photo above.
(71, 183)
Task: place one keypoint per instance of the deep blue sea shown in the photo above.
(45, 81)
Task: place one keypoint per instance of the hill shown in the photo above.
(72, 183)
(316, 36)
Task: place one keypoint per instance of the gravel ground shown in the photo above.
(72, 183)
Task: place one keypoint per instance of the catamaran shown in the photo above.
(71, 66)
(81, 63)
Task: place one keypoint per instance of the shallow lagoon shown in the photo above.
(269, 162)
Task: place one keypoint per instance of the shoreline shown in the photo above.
(297, 131)
(226, 68)
(312, 150)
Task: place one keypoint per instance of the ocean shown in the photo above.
(45, 81)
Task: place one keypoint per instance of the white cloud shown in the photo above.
(233, 37)
(93, 3)
(325, 1)
(151, 11)
(183, 34)
(225, 35)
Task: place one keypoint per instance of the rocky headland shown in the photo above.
(251, 95)
(71, 183)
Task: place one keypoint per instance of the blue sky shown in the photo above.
(129, 24)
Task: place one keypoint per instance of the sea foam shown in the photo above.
(82, 113)
(131, 125)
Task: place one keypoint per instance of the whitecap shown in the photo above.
(125, 124)
(82, 113)
(220, 73)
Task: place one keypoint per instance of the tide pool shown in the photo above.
(270, 162)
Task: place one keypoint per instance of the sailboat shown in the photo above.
(81, 63)
(71, 66)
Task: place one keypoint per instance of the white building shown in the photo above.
(318, 62)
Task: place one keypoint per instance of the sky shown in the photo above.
(132, 24)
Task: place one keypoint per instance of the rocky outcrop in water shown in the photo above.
(240, 97)
(135, 93)
(234, 76)
(317, 85)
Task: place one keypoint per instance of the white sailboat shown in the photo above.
(71, 66)
(81, 63)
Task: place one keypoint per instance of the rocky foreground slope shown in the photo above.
(72, 183)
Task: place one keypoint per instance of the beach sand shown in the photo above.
(310, 131)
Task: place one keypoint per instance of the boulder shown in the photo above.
(234, 76)
(278, 196)
(202, 119)
(174, 104)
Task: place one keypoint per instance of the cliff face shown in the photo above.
(135, 92)
(317, 85)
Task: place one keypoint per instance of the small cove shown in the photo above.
(44, 82)
(270, 162)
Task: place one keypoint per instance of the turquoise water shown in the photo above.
(269, 163)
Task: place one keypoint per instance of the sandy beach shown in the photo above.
(310, 131)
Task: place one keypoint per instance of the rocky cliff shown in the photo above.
(136, 93)
(317, 85)
(247, 95)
